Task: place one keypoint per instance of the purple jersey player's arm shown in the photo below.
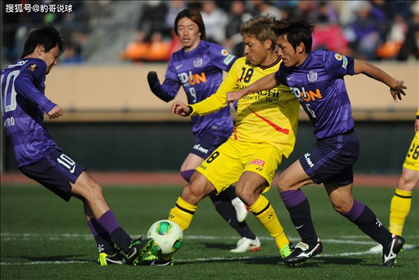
(25, 85)
(265, 83)
(170, 87)
(366, 68)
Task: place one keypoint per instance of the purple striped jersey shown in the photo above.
(320, 88)
(23, 103)
(200, 73)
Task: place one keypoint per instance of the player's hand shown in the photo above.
(180, 109)
(397, 91)
(234, 96)
(416, 125)
(55, 112)
(152, 78)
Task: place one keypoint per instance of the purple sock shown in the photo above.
(109, 222)
(187, 174)
(103, 239)
(355, 211)
(300, 214)
(293, 197)
(365, 219)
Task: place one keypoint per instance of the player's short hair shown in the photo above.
(297, 30)
(260, 27)
(195, 16)
(47, 36)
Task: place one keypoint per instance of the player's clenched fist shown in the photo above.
(181, 109)
(55, 112)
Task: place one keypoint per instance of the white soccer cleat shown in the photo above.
(247, 245)
(241, 209)
(376, 249)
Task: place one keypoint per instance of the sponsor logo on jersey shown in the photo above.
(340, 57)
(178, 67)
(228, 59)
(224, 52)
(32, 67)
(197, 62)
(345, 62)
(257, 162)
(312, 76)
(306, 95)
(308, 159)
(191, 79)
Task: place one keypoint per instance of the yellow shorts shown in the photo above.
(412, 158)
(227, 163)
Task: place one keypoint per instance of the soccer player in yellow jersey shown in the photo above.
(264, 134)
(402, 199)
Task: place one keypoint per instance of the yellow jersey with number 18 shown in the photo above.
(269, 116)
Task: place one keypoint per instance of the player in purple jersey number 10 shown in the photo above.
(42, 160)
(316, 79)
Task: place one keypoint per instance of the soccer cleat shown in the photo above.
(247, 245)
(241, 209)
(286, 250)
(303, 252)
(150, 259)
(390, 253)
(105, 259)
(137, 249)
(376, 249)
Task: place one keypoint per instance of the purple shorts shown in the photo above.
(55, 172)
(332, 159)
(207, 144)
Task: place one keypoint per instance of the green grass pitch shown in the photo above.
(42, 237)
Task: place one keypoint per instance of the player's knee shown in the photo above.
(341, 208)
(283, 185)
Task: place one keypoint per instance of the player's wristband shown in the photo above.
(190, 110)
(417, 117)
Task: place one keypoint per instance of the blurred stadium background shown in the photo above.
(112, 121)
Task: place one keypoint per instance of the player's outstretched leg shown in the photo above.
(97, 209)
(365, 219)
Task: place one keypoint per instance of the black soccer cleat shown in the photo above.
(150, 259)
(390, 253)
(137, 249)
(303, 252)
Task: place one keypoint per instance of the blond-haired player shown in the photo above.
(263, 135)
(402, 199)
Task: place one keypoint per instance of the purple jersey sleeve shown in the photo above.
(25, 84)
(170, 87)
(338, 65)
(222, 58)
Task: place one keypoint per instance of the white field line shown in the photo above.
(6, 236)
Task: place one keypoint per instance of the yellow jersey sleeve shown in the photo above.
(218, 100)
(417, 114)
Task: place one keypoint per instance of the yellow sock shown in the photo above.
(399, 209)
(264, 212)
(182, 213)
